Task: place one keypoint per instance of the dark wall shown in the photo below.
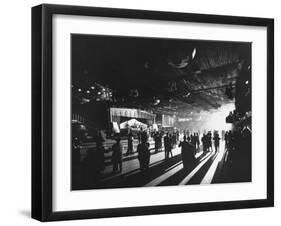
(96, 114)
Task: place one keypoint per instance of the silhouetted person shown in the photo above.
(170, 146)
(75, 152)
(191, 139)
(130, 143)
(156, 141)
(178, 135)
(159, 138)
(100, 138)
(216, 141)
(209, 141)
(166, 144)
(187, 150)
(76, 164)
(197, 141)
(226, 139)
(143, 155)
(140, 135)
(93, 164)
(144, 136)
(204, 142)
(174, 139)
(230, 140)
(117, 155)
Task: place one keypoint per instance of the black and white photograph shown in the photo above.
(143, 111)
(149, 112)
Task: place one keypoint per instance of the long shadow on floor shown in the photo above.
(198, 177)
(129, 157)
(180, 175)
(137, 178)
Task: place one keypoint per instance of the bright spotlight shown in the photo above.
(215, 120)
(193, 53)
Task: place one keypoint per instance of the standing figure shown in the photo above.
(117, 155)
(100, 139)
(194, 140)
(167, 145)
(160, 134)
(187, 151)
(178, 135)
(216, 141)
(130, 143)
(230, 143)
(191, 139)
(170, 146)
(156, 141)
(188, 139)
(96, 156)
(174, 139)
(197, 141)
(140, 135)
(226, 139)
(76, 165)
(204, 143)
(209, 141)
(143, 155)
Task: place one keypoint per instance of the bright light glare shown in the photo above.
(216, 120)
(193, 53)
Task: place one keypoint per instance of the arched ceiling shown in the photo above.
(164, 75)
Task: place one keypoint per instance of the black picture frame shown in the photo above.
(42, 108)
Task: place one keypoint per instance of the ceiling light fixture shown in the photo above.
(193, 53)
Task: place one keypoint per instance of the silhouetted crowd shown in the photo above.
(239, 151)
(208, 140)
(170, 141)
(235, 116)
(87, 170)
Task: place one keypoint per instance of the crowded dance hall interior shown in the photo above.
(159, 112)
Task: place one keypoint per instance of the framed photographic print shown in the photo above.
(145, 112)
